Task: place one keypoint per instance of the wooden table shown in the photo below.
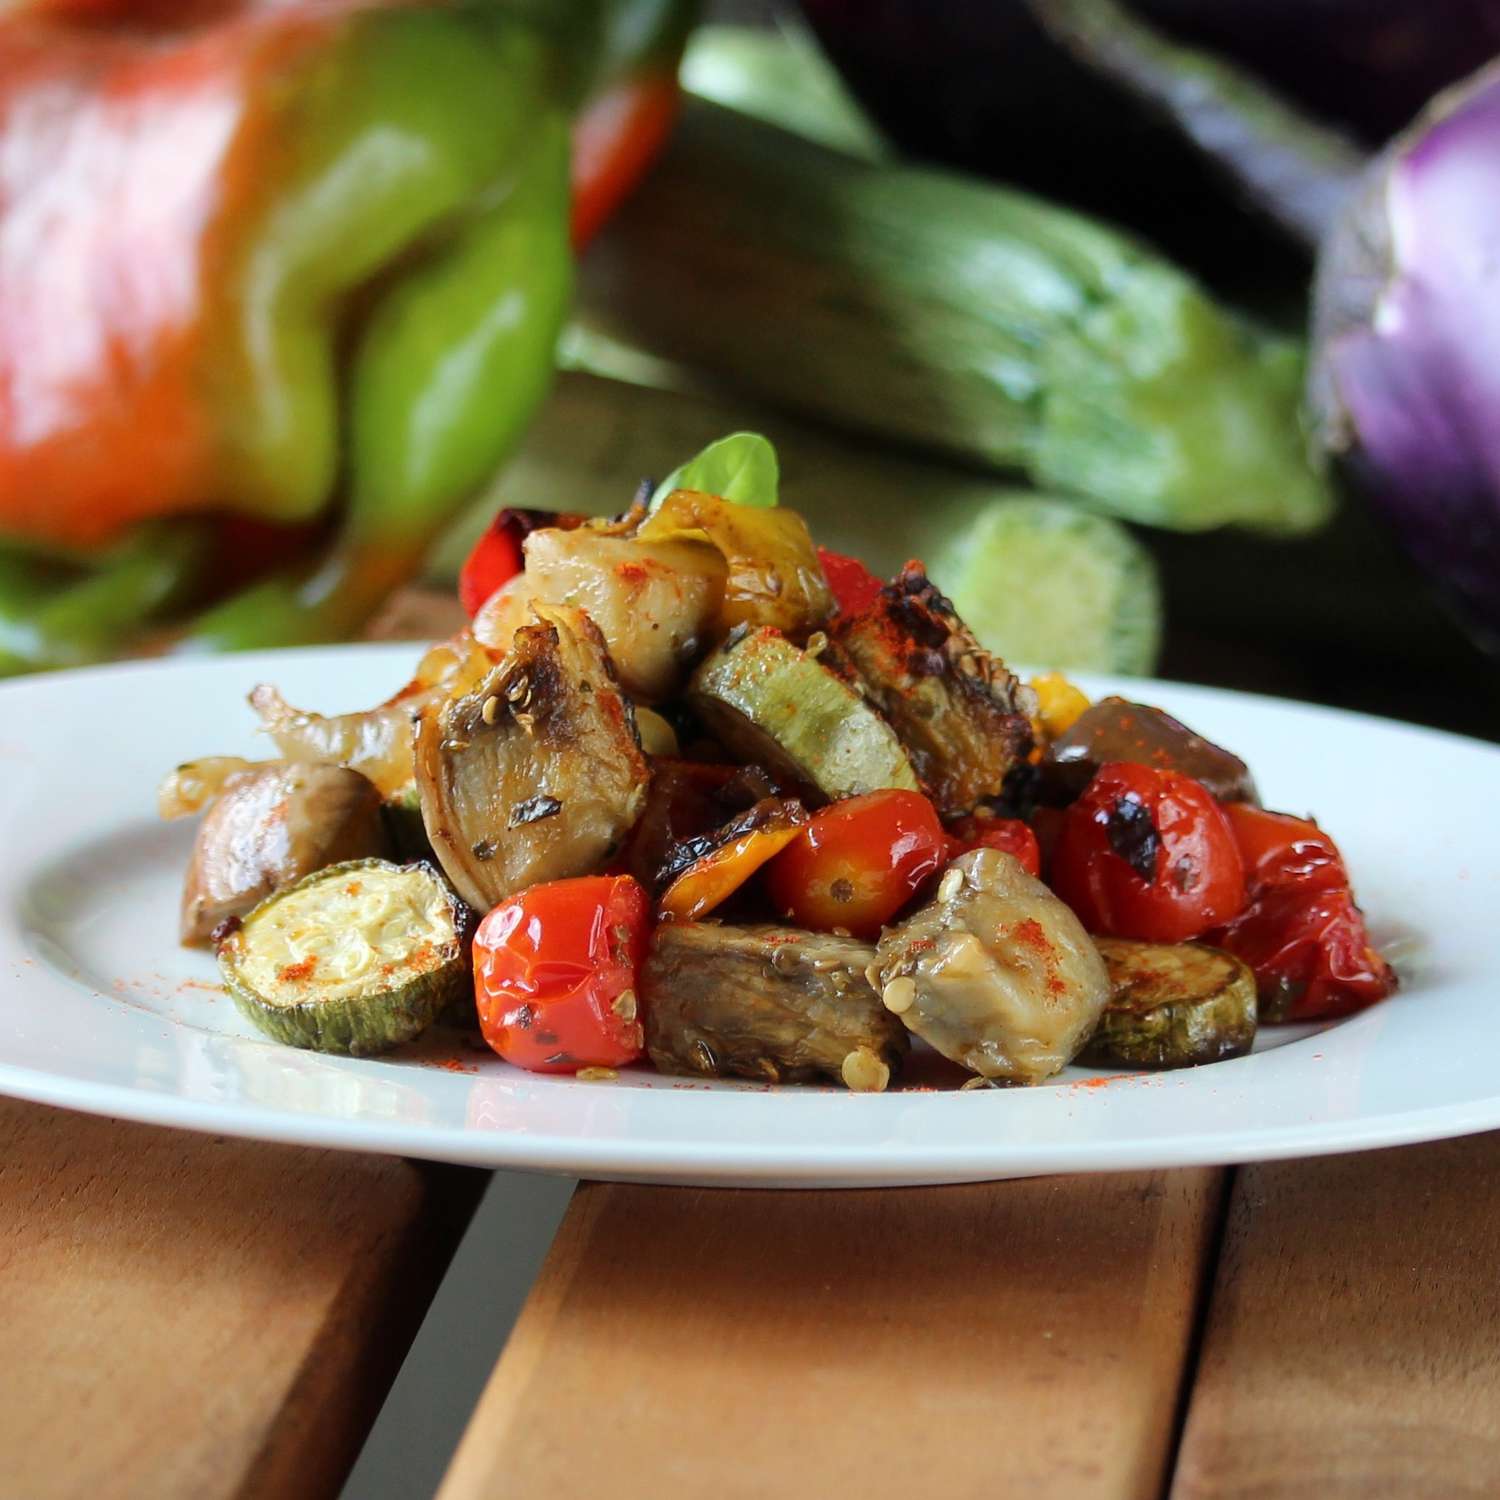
(187, 1316)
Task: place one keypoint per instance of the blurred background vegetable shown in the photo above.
(1406, 387)
(980, 323)
(916, 344)
(303, 271)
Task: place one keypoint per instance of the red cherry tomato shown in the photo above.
(1310, 952)
(1301, 933)
(1009, 834)
(555, 974)
(1148, 854)
(858, 862)
(853, 585)
(1281, 851)
(495, 559)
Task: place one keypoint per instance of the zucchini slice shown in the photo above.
(1172, 1006)
(774, 705)
(357, 958)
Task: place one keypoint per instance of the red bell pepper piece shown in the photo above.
(853, 585)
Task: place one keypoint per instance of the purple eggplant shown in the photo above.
(1405, 378)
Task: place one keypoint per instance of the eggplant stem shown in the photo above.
(1296, 170)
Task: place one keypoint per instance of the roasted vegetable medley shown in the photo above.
(691, 789)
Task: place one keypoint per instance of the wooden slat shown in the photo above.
(1022, 1338)
(184, 1315)
(1352, 1348)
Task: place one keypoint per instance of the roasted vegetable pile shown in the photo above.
(722, 799)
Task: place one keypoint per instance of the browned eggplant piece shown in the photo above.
(995, 972)
(537, 774)
(963, 718)
(270, 828)
(1117, 729)
(770, 1003)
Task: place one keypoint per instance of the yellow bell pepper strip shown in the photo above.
(314, 257)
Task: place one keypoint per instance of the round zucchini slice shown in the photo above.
(356, 958)
(1172, 1006)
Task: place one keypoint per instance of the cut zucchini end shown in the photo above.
(355, 959)
(1043, 581)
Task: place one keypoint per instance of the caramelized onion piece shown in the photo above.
(537, 774)
(190, 787)
(376, 742)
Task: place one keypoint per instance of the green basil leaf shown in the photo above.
(741, 467)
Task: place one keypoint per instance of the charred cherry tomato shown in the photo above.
(1310, 952)
(858, 862)
(555, 974)
(853, 585)
(1148, 854)
(1281, 851)
(496, 558)
(1009, 834)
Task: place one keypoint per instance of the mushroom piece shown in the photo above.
(537, 774)
(962, 717)
(994, 972)
(770, 1003)
(270, 827)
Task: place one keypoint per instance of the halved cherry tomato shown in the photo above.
(1009, 834)
(555, 974)
(1148, 854)
(495, 559)
(853, 585)
(1281, 851)
(858, 862)
(1310, 951)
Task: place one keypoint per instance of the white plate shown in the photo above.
(103, 1012)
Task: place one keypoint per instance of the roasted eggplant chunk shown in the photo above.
(1172, 1006)
(961, 715)
(773, 704)
(656, 602)
(270, 827)
(771, 1003)
(1117, 729)
(995, 972)
(537, 774)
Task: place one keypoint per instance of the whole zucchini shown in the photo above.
(356, 958)
(961, 317)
